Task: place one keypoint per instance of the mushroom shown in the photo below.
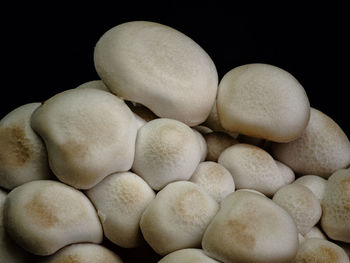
(87, 253)
(159, 67)
(215, 179)
(335, 220)
(9, 251)
(202, 145)
(120, 200)
(315, 232)
(321, 251)
(301, 204)
(251, 228)
(262, 101)
(88, 133)
(187, 255)
(315, 183)
(217, 142)
(322, 149)
(251, 191)
(253, 168)
(166, 150)
(177, 217)
(141, 111)
(23, 156)
(94, 84)
(43, 216)
(287, 173)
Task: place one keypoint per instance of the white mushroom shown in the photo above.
(166, 150)
(215, 179)
(217, 142)
(251, 228)
(315, 232)
(120, 200)
(262, 101)
(141, 111)
(23, 156)
(44, 216)
(85, 253)
(251, 191)
(322, 149)
(177, 217)
(88, 133)
(187, 255)
(253, 168)
(287, 173)
(301, 204)
(159, 67)
(315, 183)
(202, 145)
(335, 220)
(94, 84)
(9, 251)
(318, 250)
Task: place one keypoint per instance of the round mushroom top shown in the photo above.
(187, 255)
(159, 67)
(263, 101)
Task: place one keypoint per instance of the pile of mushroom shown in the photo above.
(159, 151)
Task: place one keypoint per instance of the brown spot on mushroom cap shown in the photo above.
(16, 149)
(241, 232)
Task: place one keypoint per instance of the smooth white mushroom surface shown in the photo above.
(10, 252)
(253, 168)
(318, 250)
(335, 219)
(322, 149)
(301, 204)
(315, 232)
(159, 67)
(166, 150)
(43, 216)
(215, 179)
(23, 156)
(177, 217)
(120, 200)
(202, 145)
(83, 253)
(251, 228)
(88, 133)
(93, 84)
(187, 255)
(262, 101)
(316, 184)
(217, 142)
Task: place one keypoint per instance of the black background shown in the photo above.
(46, 49)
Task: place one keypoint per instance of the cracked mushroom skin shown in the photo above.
(23, 157)
(158, 67)
(177, 217)
(251, 228)
(83, 253)
(166, 150)
(88, 133)
(274, 104)
(335, 220)
(120, 200)
(43, 216)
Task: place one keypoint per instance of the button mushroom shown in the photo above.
(187, 255)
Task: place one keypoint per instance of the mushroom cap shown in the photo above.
(320, 251)
(286, 171)
(202, 145)
(166, 150)
(88, 133)
(159, 67)
(253, 168)
(217, 142)
(315, 183)
(251, 228)
(94, 84)
(9, 251)
(215, 179)
(120, 200)
(322, 149)
(177, 217)
(85, 253)
(44, 216)
(187, 255)
(301, 204)
(274, 104)
(315, 232)
(335, 220)
(23, 156)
